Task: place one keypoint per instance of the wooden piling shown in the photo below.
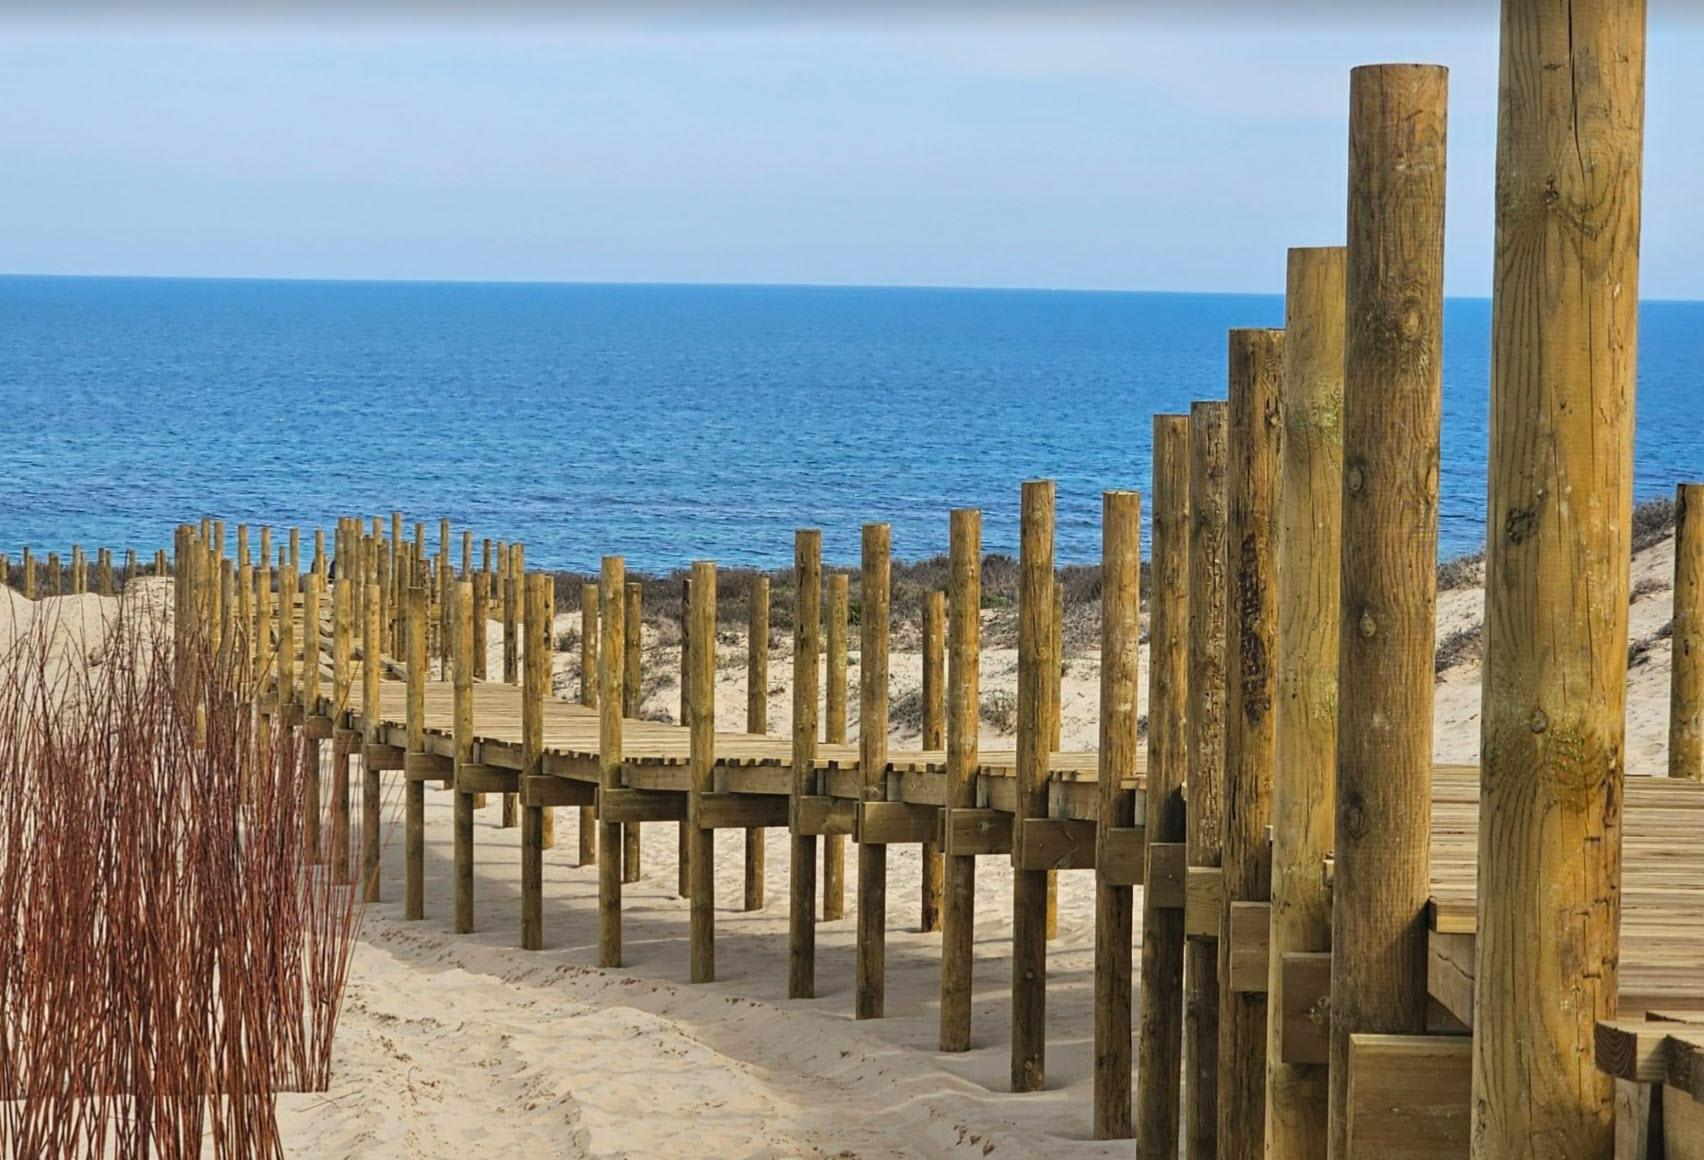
(683, 830)
(1160, 1036)
(1208, 455)
(757, 720)
(30, 579)
(441, 591)
(312, 806)
(372, 794)
(514, 593)
(958, 894)
(611, 665)
(590, 676)
(1054, 667)
(1121, 633)
(701, 871)
(1564, 335)
(632, 690)
(1686, 674)
(834, 845)
(934, 738)
(1392, 376)
(1256, 376)
(1034, 740)
(461, 652)
(342, 629)
(801, 853)
(414, 788)
(481, 624)
(540, 614)
(870, 990)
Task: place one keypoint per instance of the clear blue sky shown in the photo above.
(1139, 152)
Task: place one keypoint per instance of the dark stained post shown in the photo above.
(958, 913)
(801, 859)
(870, 992)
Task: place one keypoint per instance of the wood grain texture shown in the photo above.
(1686, 687)
(461, 661)
(414, 791)
(757, 722)
(632, 691)
(1564, 334)
(958, 902)
(834, 845)
(538, 593)
(934, 737)
(870, 985)
(1029, 887)
(590, 625)
(801, 851)
(611, 659)
(701, 872)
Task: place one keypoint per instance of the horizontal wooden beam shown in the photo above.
(474, 778)
(621, 806)
(1122, 855)
(966, 832)
(1449, 973)
(1410, 1096)
(1304, 1029)
(316, 727)
(893, 823)
(382, 756)
(1168, 865)
(537, 790)
(1250, 946)
(738, 811)
(1053, 844)
(819, 815)
(428, 767)
(1201, 901)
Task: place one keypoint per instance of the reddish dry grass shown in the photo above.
(170, 959)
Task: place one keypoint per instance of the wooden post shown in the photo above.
(286, 642)
(106, 588)
(683, 835)
(540, 593)
(1392, 376)
(611, 664)
(1035, 735)
(1055, 670)
(342, 629)
(1564, 334)
(481, 624)
(29, 575)
(632, 639)
(372, 795)
(441, 591)
(1305, 722)
(461, 651)
(1686, 675)
(414, 789)
(1206, 784)
(871, 984)
(834, 845)
(958, 895)
(514, 593)
(1160, 1049)
(701, 881)
(311, 794)
(1256, 375)
(1121, 633)
(467, 555)
(801, 854)
(590, 678)
(757, 721)
(934, 738)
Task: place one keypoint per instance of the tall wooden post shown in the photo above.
(632, 691)
(1160, 1036)
(1310, 517)
(312, 806)
(871, 971)
(1564, 333)
(1392, 376)
(934, 738)
(1256, 375)
(414, 789)
(461, 653)
(343, 740)
(958, 895)
(540, 613)
(1029, 887)
(834, 709)
(757, 721)
(1208, 456)
(514, 595)
(29, 581)
(683, 829)
(589, 684)
(1686, 674)
(611, 665)
(481, 624)
(1121, 632)
(372, 798)
(801, 854)
(701, 883)
(441, 591)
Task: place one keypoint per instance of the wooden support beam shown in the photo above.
(1203, 903)
(819, 815)
(738, 811)
(1304, 778)
(1449, 973)
(539, 594)
(315, 728)
(701, 879)
(429, 767)
(934, 738)
(590, 624)
(538, 791)
(757, 721)
(1391, 398)
(683, 833)
(620, 806)
(870, 985)
(964, 829)
(1686, 676)
(802, 844)
(1256, 377)
(372, 798)
(1207, 584)
(461, 661)
(1053, 844)
(611, 660)
(414, 793)
(343, 742)
(380, 756)
(1167, 870)
(1304, 1004)
(883, 823)
(632, 689)
(834, 729)
(1248, 940)
(1408, 1096)
(1035, 736)
(513, 583)
(476, 778)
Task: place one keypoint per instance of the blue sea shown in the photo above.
(663, 423)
